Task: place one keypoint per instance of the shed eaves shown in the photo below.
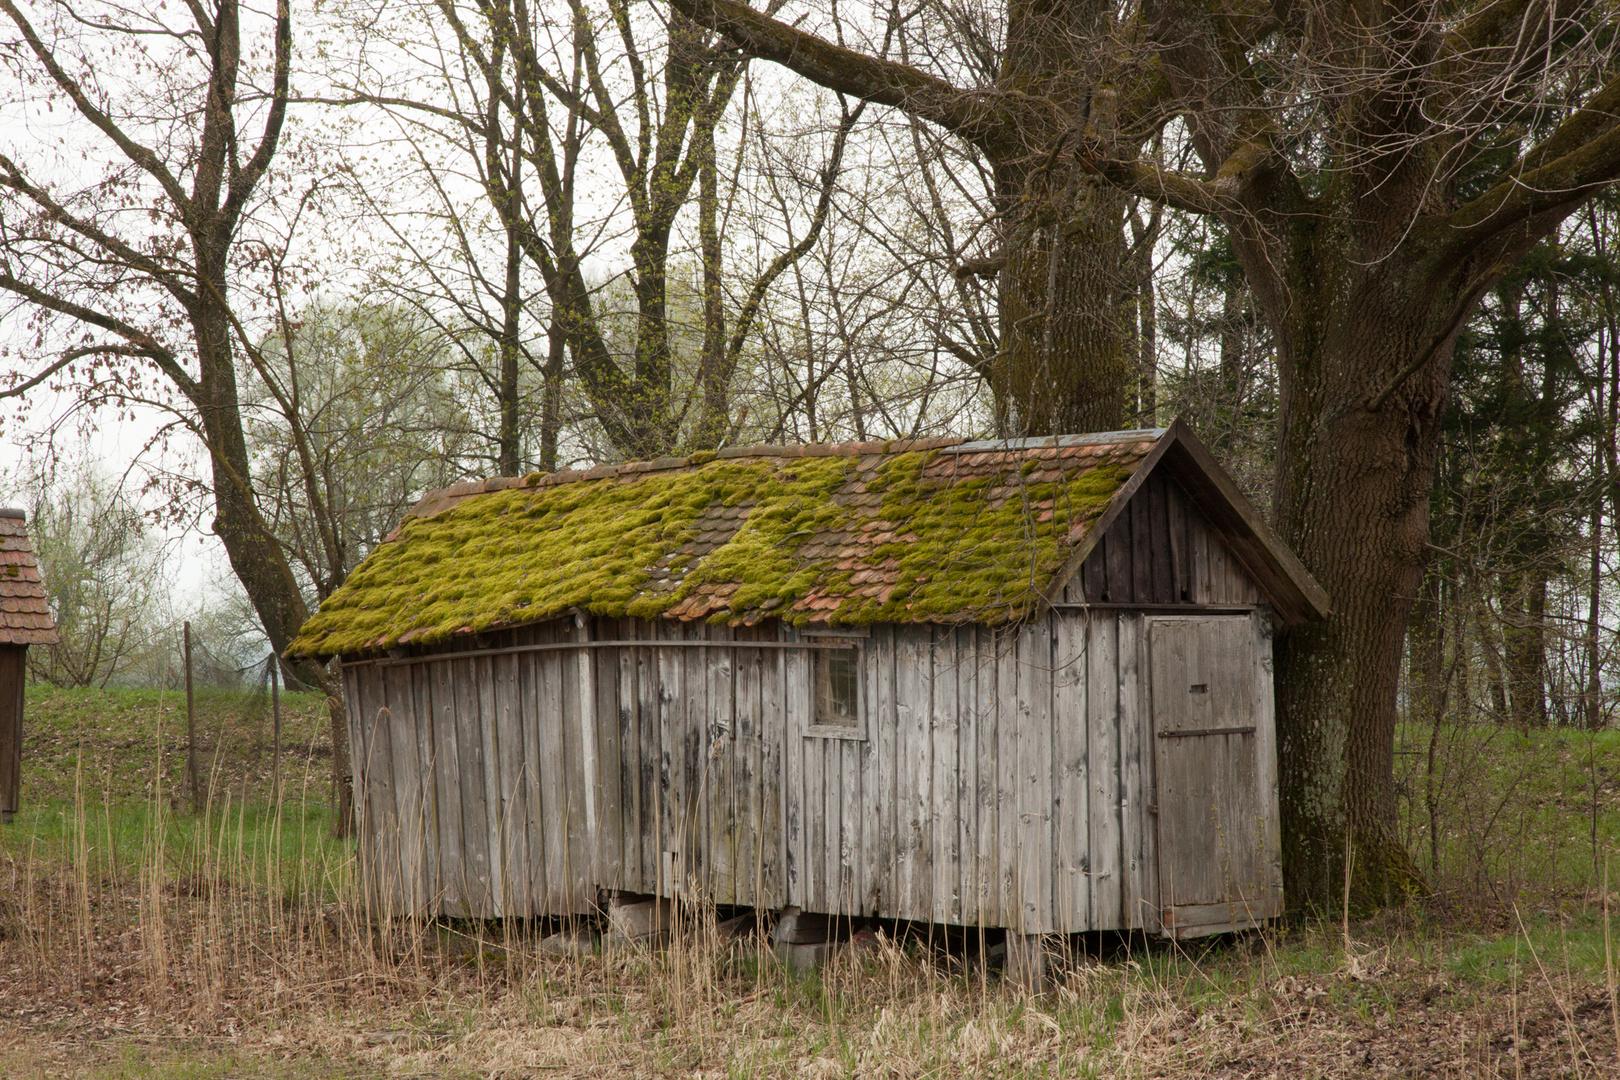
(25, 612)
(933, 530)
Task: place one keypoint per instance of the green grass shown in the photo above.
(1574, 945)
(249, 843)
(1517, 819)
(104, 772)
(118, 743)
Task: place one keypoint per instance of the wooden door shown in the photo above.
(1211, 736)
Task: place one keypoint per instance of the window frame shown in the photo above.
(857, 640)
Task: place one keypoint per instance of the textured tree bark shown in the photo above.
(1065, 362)
(1352, 498)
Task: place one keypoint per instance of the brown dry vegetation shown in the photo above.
(134, 943)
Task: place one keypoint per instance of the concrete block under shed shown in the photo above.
(633, 918)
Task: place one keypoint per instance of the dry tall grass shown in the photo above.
(232, 933)
(134, 943)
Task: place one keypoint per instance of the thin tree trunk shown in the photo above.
(715, 410)
(1492, 655)
(193, 781)
(551, 393)
(1524, 646)
(1425, 647)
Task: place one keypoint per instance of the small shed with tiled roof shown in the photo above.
(1017, 684)
(25, 619)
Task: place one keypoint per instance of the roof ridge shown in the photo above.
(440, 499)
(437, 499)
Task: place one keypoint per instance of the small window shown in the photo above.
(836, 677)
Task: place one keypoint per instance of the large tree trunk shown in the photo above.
(1352, 497)
(1066, 359)
(1065, 362)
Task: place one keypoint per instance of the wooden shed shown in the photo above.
(1008, 684)
(25, 619)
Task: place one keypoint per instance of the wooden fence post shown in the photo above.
(191, 725)
(275, 709)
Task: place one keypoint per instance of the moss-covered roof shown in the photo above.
(924, 531)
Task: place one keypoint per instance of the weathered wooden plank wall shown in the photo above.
(1161, 550)
(1004, 778)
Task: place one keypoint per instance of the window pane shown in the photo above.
(836, 687)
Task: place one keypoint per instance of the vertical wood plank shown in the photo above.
(987, 857)
(1071, 782)
(867, 826)
(649, 695)
(1035, 775)
(447, 785)
(530, 723)
(694, 744)
(812, 792)
(821, 802)
(359, 758)
(1265, 723)
(401, 704)
(1198, 556)
(1143, 541)
(944, 732)
(671, 789)
(579, 851)
(1133, 792)
(747, 821)
(514, 815)
(484, 682)
(720, 771)
(627, 699)
(1102, 731)
(1094, 575)
(967, 773)
(1219, 572)
(773, 768)
(1009, 875)
(1120, 578)
(554, 794)
(913, 703)
(469, 737)
(851, 882)
(380, 787)
(610, 759)
(1176, 508)
(883, 814)
(427, 787)
(1162, 543)
(584, 717)
(796, 703)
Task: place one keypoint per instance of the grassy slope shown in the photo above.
(1517, 819)
(123, 739)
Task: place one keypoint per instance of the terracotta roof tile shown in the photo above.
(25, 612)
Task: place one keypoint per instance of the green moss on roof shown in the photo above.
(729, 539)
